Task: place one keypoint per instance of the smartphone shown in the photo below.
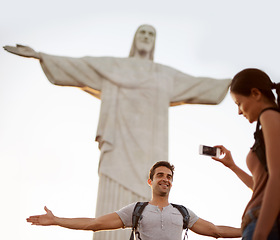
(209, 151)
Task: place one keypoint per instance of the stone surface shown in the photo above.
(135, 97)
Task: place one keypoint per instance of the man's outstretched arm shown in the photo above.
(107, 222)
(206, 228)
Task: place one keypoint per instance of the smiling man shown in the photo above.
(159, 220)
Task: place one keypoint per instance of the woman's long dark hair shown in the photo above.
(249, 78)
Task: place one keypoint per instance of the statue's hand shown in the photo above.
(23, 51)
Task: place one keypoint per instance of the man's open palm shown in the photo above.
(43, 220)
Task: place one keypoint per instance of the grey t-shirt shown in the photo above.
(156, 224)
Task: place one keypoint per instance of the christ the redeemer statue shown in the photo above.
(135, 96)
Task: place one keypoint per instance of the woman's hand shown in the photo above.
(226, 159)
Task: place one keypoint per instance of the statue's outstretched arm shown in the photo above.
(23, 51)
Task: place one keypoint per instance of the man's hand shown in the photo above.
(23, 51)
(42, 220)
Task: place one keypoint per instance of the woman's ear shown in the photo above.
(256, 93)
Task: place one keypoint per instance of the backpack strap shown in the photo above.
(186, 217)
(259, 145)
(185, 213)
(138, 209)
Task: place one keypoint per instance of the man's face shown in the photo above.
(145, 38)
(162, 181)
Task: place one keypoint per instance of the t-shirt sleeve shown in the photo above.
(193, 218)
(125, 214)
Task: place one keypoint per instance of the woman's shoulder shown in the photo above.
(272, 112)
(270, 117)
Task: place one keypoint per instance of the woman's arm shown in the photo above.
(227, 160)
(107, 222)
(270, 209)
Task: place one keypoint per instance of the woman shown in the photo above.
(251, 90)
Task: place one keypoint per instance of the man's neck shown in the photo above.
(159, 201)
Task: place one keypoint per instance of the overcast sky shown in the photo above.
(47, 149)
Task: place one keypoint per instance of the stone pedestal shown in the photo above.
(112, 197)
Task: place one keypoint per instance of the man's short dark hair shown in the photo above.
(161, 164)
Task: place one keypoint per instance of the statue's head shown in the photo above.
(144, 41)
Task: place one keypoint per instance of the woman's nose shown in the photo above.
(239, 111)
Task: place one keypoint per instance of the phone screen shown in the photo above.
(211, 151)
